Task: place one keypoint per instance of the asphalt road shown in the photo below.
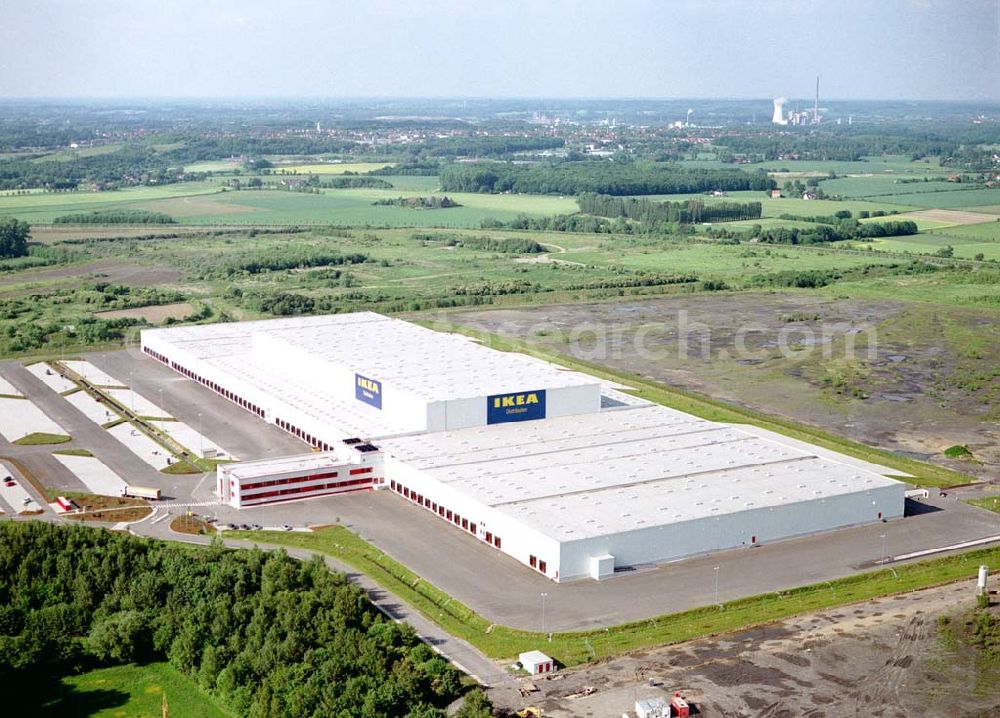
(503, 591)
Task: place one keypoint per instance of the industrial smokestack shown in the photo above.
(779, 111)
(816, 106)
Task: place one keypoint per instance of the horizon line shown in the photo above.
(478, 98)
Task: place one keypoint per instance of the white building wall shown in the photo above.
(569, 400)
(517, 539)
(673, 541)
(473, 411)
(407, 409)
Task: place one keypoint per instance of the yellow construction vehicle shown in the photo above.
(530, 712)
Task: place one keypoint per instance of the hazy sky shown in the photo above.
(880, 49)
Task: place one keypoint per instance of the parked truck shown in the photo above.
(141, 492)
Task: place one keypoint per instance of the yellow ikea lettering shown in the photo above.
(368, 385)
(505, 402)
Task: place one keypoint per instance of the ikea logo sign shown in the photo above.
(522, 406)
(368, 390)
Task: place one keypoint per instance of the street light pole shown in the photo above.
(544, 596)
(201, 438)
(881, 561)
(717, 585)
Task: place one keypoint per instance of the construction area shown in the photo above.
(887, 657)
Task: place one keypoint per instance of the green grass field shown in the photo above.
(42, 439)
(42, 208)
(129, 691)
(931, 243)
(350, 207)
(867, 165)
(990, 503)
(204, 203)
(946, 199)
(217, 166)
(859, 187)
(988, 231)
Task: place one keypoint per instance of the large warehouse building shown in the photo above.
(569, 477)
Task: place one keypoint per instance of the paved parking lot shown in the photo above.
(221, 421)
(15, 499)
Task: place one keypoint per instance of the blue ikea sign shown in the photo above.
(368, 390)
(522, 406)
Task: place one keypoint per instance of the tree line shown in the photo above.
(502, 245)
(844, 144)
(850, 229)
(641, 209)
(609, 178)
(269, 635)
(116, 216)
(431, 202)
(278, 259)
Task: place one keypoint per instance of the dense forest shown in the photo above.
(482, 146)
(610, 178)
(845, 144)
(269, 635)
(652, 212)
(130, 164)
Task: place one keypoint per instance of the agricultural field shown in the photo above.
(214, 166)
(329, 168)
(962, 246)
(887, 164)
(42, 208)
(881, 185)
(947, 199)
(208, 203)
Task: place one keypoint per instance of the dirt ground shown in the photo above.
(951, 216)
(914, 380)
(110, 270)
(155, 314)
(882, 658)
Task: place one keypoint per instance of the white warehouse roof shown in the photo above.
(614, 471)
(433, 365)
